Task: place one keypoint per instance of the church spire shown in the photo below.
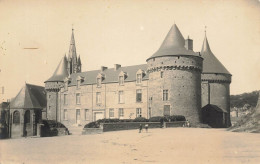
(72, 56)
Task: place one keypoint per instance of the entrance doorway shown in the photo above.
(78, 116)
(98, 115)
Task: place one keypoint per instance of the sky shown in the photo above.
(109, 32)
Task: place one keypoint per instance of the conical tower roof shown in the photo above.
(173, 44)
(210, 63)
(61, 71)
(30, 96)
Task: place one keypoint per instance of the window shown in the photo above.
(78, 98)
(138, 112)
(139, 78)
(121, 80)
(86, 114)
(98, 98)
(65, 114)
(49, 96)
(98, 82)
(16, 117)
(121, 96)
(161, 74)
(138, 95)
(111, 112)
(66, 86)
(120, 112)
(65, 99)
(78, 84)
(27, 117)
(165, 95)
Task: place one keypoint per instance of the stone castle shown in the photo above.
(174, 81)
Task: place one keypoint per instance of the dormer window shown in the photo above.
(98, 82)
(121, 80)
(79, 79)
(139, 78)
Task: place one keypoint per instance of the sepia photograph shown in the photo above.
(130, 81)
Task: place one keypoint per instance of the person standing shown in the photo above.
(146, 127)
(140, 128)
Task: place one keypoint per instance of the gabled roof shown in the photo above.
(173, 44)
(110, 75)
(214, 107)
(30, 96)
(61, 71)
(210, 63)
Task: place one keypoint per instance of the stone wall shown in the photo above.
(128, 125)
(216, 91)
(89, 107)
(174, 124)
(182, 78)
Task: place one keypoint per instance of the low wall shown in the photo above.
(174, 124)
(128, 125)
(92, 131)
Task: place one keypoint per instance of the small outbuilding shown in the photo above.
(214, 116)
(26, 111)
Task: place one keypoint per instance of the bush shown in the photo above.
(140, 119)
(126, 120)
(167, 118)
(92, 125)
(158, 119)
(176, 118)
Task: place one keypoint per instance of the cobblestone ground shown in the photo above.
(173, 145)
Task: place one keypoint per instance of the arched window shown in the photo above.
(16, 117)
(27, 117)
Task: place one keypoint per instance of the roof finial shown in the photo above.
(205, 30)
(72, 27)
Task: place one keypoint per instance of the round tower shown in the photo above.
(215, 83)
(52, 86)
(175, 78)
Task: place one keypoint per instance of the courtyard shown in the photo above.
(172, 145)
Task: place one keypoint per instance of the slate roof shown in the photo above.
(61, 71)
(30, 96)
(210, 63)
(110, 75)
(215, 107)
(173, 44)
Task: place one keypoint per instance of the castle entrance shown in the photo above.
(166, 110)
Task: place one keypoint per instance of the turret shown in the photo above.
(52, 86)
(215, 84)
(79, 64)
(175, 78)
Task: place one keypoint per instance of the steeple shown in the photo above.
(173, 44)
(211, 64)
(72, 56)
(72, 49)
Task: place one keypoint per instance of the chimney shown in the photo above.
(189, 44)
(117, 66)
(103, 68)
